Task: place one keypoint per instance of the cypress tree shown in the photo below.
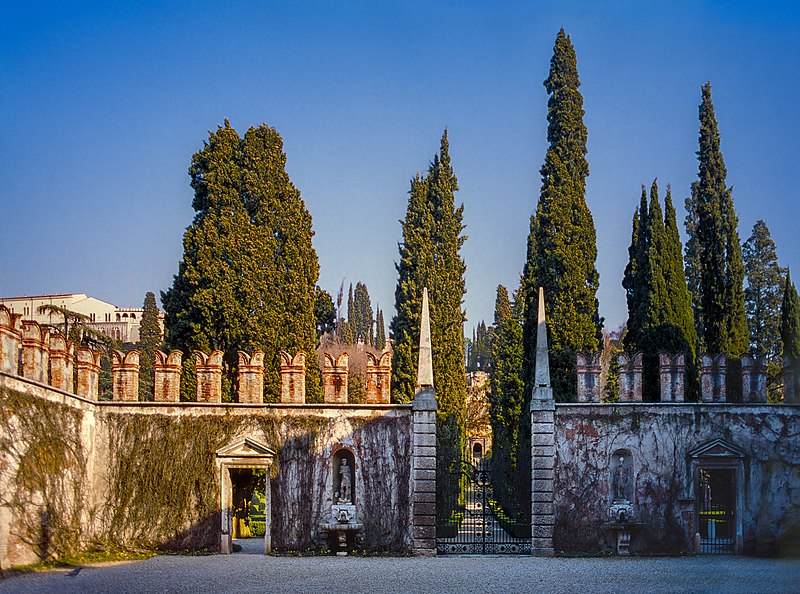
(380, 330)
(562, 245)
(790, 320)
(763, 293)
(714, 272)
(363, 316)
(413, 269)
(430, 257)
(472, 363)
(150, 339)
(324, 313)
(637, 275)
(507, 406)
(248, 274)
(659, 307)
(682, 336)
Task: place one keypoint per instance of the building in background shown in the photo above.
(117, 322)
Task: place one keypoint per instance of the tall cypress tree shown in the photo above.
(715, 272)
(763, 293)
(683, 336)
(150, 339)
(659, 307)
(248, 273)
(562, 245)
(507, 407)
(430, 257)
(413, 269)
(363, 316)
(790, 320)
(380, 330)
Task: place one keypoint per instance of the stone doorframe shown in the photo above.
(714, 455)
(243, 453)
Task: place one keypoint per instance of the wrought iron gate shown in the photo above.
(717, 508)
(478, 525)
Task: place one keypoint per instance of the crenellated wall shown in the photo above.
(47, 357)
(716, 374)
(75, 470)
(115, 468)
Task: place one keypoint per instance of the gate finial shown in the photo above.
(542, 389)
(425, 362)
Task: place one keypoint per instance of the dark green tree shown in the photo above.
(324, 312)
(380, 331)
(659, 306)
(714, 267)
(413, 269)
(763, 294)
(562, 245)
(790, 320)
(363, 316)
(150, 340)
(507, 410)
(482, 347)
(430, 257)
(248, 273)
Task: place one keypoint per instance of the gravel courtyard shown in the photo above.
(242, 572)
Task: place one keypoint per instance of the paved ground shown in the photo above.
(285, 575)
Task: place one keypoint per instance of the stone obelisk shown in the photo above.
(543, 410)
(423, 479)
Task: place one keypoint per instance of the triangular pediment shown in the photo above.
(245, 448)
(717, 448)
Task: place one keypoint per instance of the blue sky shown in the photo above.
(103, 105)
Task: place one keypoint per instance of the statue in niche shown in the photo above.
(619, 482)
(345, 483)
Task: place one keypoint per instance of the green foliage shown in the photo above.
(790, 320)
(660, 317)
(363, 315)
(763, 299)
(248, 274)
(507, 410)
(479, 348)
(150, 339)
(430, 257)
(765, 279)
(380, 331)
(360, 317)
(324, 312)
(562, 245)
(46, 495)
(156, 498)
(714, 267)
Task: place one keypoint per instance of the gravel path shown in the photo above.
(242, 572)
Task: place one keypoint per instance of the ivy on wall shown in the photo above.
(41, 440)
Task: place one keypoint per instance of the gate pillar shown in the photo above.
(543, 415)
(423, 479)
(542, 462)
(423, 453)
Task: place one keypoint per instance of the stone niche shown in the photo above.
(344, 458)
(621, 476)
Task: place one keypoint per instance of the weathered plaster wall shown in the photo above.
(660, 438)
(144, 474)
(45, 447)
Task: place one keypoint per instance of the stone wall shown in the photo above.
(661, 439)
(123, 464)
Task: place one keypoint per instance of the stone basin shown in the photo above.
(340, 529)
(624, 533)
(341, 526)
